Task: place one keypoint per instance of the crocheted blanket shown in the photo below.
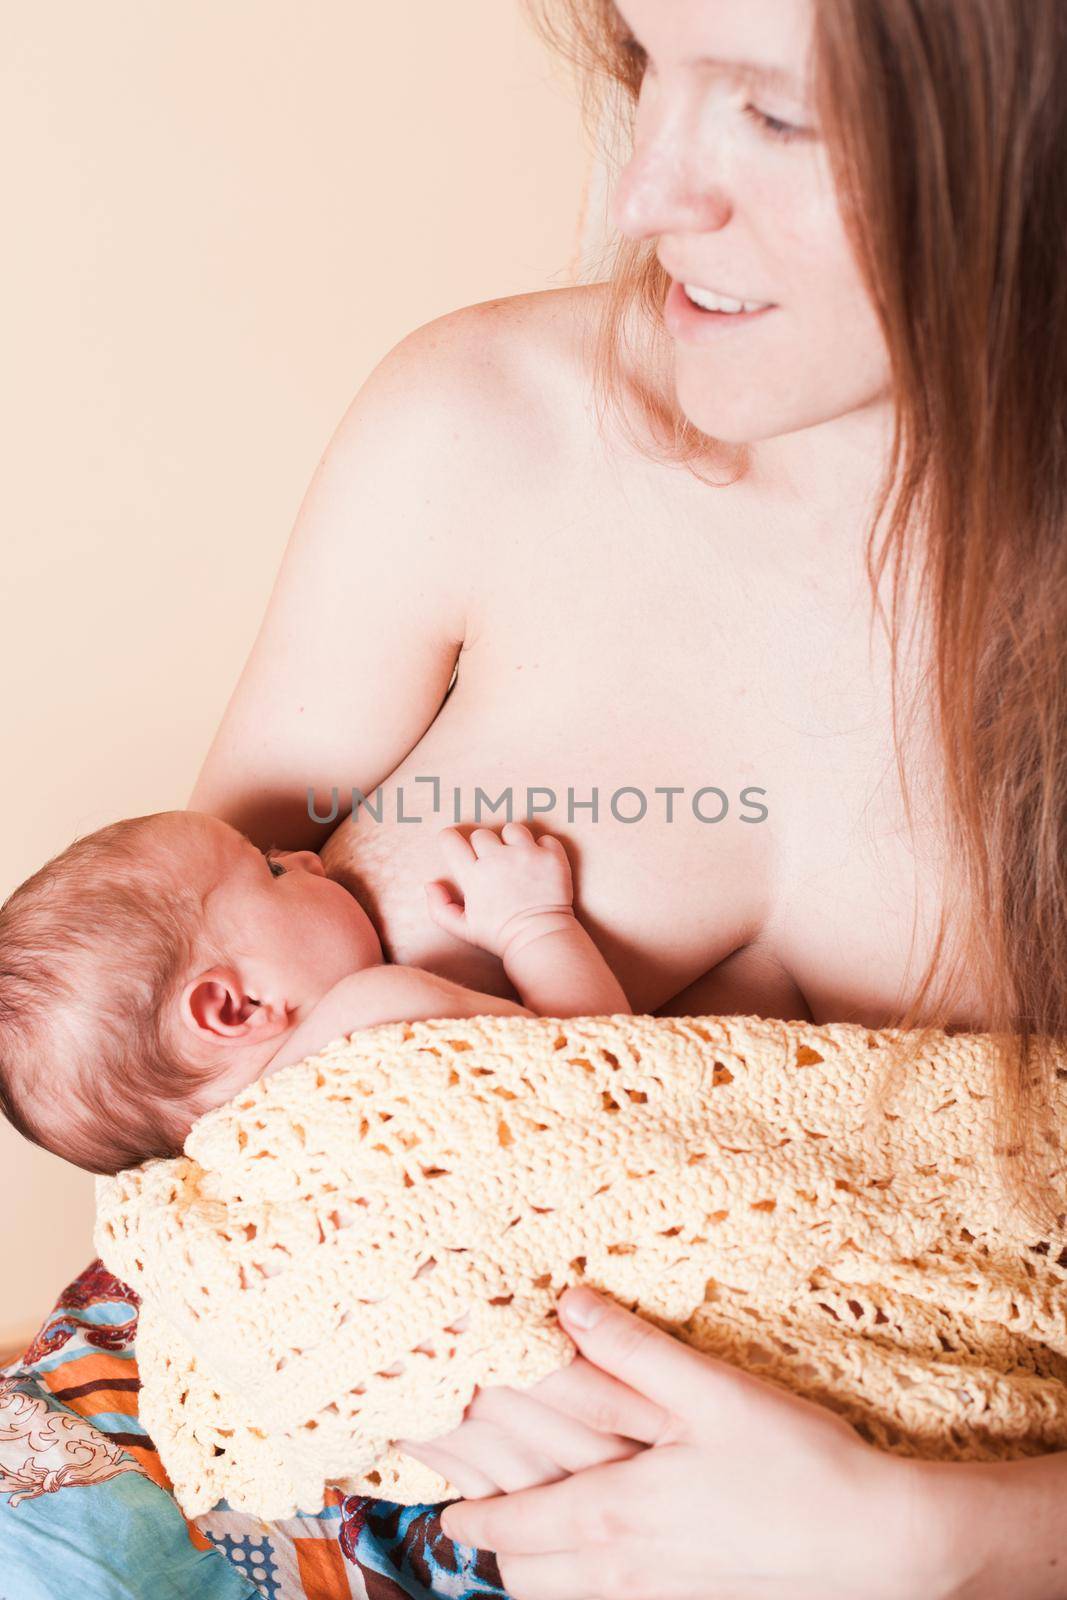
(303, 1266)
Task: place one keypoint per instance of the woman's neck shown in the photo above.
(833, 468)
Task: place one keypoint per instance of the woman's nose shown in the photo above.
(665, 188)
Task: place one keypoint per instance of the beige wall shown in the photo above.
(222, 214)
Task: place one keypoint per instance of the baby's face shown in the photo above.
(290, 927)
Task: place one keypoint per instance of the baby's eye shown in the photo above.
(276, 868)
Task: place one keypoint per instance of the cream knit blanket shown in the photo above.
(302, 1266)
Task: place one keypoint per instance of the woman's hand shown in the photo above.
(730, 1486)
(513, 1439)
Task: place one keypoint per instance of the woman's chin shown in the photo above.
(739, 407)
(734, 425)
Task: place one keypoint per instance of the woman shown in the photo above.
(676, 593)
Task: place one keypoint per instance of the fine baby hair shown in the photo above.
(94, 947)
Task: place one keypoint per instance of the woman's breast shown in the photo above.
(665, 826)
(716, 757)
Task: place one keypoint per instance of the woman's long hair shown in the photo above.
(946, 128)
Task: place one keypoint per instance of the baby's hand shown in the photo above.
(514, 887)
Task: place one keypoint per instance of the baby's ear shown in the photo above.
(216, 1004)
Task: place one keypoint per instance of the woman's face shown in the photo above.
(730, 176)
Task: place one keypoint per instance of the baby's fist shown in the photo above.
(513, 887)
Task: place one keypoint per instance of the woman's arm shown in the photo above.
(368, 612)
(996, 1528)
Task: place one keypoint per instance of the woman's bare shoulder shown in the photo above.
(546, 328)
(524, 358)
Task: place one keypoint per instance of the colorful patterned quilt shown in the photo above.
(86, 1507)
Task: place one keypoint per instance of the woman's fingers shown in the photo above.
(602, 1402)
(561, 1575)
(472, 1483)
(506, 1462)
(569, 1515)
(559, 1437)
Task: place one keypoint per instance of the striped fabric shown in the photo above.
(86, 1507)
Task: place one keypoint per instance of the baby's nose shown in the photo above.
(308, 860)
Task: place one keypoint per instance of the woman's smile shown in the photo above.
(694, 324)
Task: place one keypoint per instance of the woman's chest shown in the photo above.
(712, 742)
(753, 750)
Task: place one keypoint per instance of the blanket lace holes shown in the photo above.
(757, 1355)
(272, 1266)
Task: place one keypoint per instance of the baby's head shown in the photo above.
(153, 969)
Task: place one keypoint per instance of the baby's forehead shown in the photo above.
(191, 836)
(203, 858)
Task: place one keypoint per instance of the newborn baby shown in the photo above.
(154, 968)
